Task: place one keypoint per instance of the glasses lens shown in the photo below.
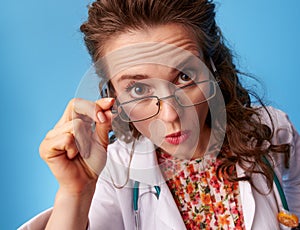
(145, 108)
(196, 93)
(139, 109)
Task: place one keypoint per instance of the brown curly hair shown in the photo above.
(247, 139)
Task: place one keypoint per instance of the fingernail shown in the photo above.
(110, 99)
(101, 117)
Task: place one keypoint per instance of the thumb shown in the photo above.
(98, 150)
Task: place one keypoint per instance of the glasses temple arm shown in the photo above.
(215, 72)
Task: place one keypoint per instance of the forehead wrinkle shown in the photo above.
(146, 53)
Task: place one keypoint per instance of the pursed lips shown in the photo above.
(178, 137)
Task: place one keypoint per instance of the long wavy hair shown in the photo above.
(247, 139)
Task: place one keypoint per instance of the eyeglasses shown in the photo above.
(141, 109)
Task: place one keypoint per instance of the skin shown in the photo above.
(76, 179)
(171, 118)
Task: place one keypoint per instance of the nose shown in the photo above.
(169, 109)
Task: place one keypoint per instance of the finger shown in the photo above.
(72, 126)
(81, 131)
(105, 105)
(78, 107)
(102, 129)
(87, 168)
(61, 145)
(65, 128)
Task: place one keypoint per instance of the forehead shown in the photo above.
(148, 56)
(168, 45)
(172, 33)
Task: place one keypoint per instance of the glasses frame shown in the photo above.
(115, 110)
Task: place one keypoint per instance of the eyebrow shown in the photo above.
(140, 76)
(132, 77)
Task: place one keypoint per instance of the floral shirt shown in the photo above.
(203, 201)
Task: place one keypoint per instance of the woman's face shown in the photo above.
(153, 66)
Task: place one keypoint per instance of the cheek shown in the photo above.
(143, 127)
(202, 112)
(154, 129)
(150, 128)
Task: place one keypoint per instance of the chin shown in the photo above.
(182, 151)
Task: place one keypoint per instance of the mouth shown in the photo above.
(178, 137)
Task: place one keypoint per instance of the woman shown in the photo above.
(180, 115)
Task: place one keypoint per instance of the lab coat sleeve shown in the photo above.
(291, 176)
(39, 222)
(285, 132)
(104, 212)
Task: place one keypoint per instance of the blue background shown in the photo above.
(42, 60)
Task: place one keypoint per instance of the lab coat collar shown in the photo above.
(143, 167)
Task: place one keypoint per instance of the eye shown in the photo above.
(138, 90)
(186, 78)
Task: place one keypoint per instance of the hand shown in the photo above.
(73, 151)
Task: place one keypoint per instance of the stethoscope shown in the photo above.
(136, 197)
(286, 216)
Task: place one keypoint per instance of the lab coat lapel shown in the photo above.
(247, 199)
(167, 214)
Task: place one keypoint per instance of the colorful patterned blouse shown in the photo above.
(203, 201)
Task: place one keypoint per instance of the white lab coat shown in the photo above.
(112, 208)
